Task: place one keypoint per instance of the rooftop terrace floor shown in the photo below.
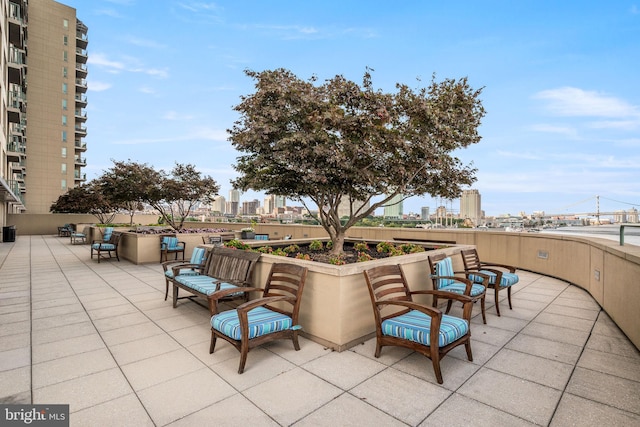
(101, 338)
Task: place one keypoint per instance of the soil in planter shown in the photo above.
(350, 256)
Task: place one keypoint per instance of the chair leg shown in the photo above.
(294, 338)
(495, 293)
(175, 296)
(378, 348)
(484, 316)
(244, 350)
(436, 367)
(212, 346)
(449, 304)
(509, 297)
(467, 346)
(166, 291)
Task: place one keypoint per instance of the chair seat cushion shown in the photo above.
(204, 284)
(508, 279)
(415, 326)
(459, 288)
(262, 321)
(182, 272)
(104, 246)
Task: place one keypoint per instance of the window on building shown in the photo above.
(64, 120)
(64, 104)
(65, 55)
(63, 168)
(65, 40)
(65, 23)
(64, 88)
(64, 136)
(64, 72)
(64, 152)
(63, 184)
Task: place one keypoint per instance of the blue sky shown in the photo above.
(560, 82)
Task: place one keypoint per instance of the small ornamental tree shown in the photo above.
(338, 142)
(126, 183)
(86, 199)
(175, 195)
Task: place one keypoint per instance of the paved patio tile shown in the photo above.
(158, 369)
(565, 321)
(475, 414)
(578, 303)
(117, 322)
(11, 342)
(395, 393)
(542, 347)
(512, 395)
(347, 410)
(556, 333)
(309, 350)
(261, 366)
(176, 398)
(133, 351)
(613, 345)
(123, 411)
(232, 411)
(580, 313)
(62, 333)
(533, 368)
(490, 335)
(344, 370)
(292, 395)
(481, 351)
(192, 335)
(15, 382)
(15, 328)
(388, 355)
(576, 411)
(613, 391)
(87, 391)
(612, 364)
(70, 367)
(58, 321)
(455, 371)
(56, 349)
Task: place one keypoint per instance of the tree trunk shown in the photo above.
(338, 244)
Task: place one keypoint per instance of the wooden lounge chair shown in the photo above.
(274, 316)
(413, 325)
(102, 248)
(501, 276)
(444, 279)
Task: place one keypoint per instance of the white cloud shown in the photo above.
(102, 61)
(567, 131)
(144, 42)
(116, 67)
(98, 86)
(571, 101)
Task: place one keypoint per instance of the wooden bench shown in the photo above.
(224, 269)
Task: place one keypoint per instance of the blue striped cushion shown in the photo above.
(182, 272)
(170, 243)
(197, 255)
(106, 234)
(104, 246)
(414, 326)
(508, 279)
(204, 284)
(444, 268)
(459, 288)
(262, 321)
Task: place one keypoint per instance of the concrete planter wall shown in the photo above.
(336, 309)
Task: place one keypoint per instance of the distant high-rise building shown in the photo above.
(250, 207)
(280, 201)
(219, 205)
(632, 215)
(54, 106)
(470, 206)
(269, 204)
(424, 213)
(393, 209)
(344, 209)
(233, 205)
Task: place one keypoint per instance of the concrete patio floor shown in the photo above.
(101, 338)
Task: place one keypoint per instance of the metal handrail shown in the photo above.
(622, 226)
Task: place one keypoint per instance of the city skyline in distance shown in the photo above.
(559, 84)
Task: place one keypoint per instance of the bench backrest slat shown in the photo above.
(233, 265)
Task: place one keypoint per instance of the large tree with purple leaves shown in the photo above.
(340, 142)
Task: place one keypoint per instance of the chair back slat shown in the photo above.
(470, 259)
(286, 280)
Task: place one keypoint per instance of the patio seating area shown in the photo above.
(101, 338)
